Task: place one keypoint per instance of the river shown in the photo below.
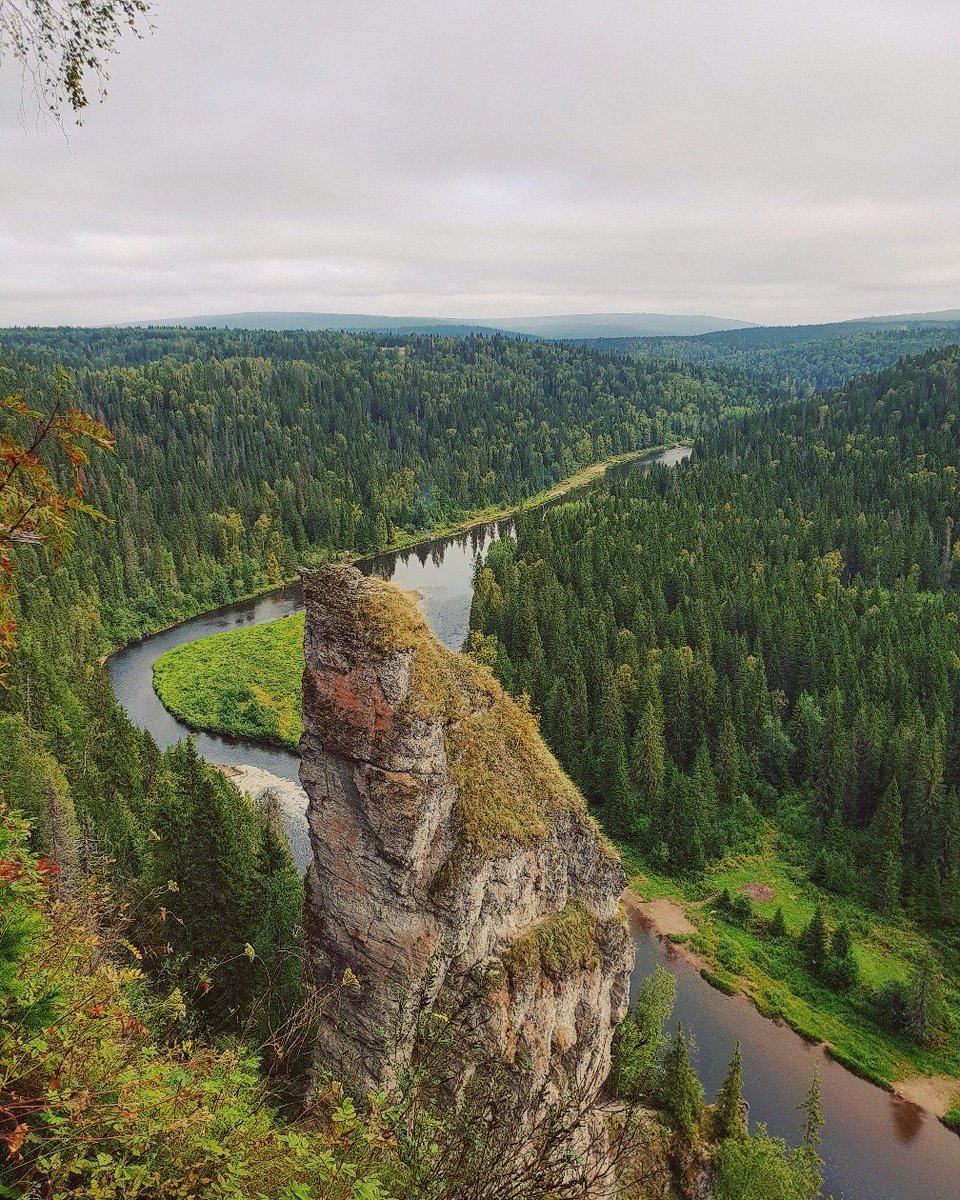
(876, 1146)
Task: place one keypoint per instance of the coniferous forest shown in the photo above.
(241, 456)
(764, 643)
(750, 659)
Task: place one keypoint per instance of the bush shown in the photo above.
(731, 956)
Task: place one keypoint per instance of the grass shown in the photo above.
(245, 682)
(561, 944)
(773, 975)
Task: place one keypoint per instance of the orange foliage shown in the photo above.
(36, 509)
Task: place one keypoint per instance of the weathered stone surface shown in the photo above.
(447, 846)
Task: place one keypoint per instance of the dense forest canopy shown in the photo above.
(241, 456)
(803, 358)
(156, 936)
(770, 631)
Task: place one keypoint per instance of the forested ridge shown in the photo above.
(231, 471)
(767, 635)
(799, 359)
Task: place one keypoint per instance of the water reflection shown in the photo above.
(876, 1146)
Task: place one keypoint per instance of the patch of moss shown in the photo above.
(568, 941)
(390, 619)
(510, 788)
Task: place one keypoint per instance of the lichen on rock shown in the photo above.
(452, 857)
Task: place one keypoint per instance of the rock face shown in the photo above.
(452, 858)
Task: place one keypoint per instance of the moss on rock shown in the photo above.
(566, 942)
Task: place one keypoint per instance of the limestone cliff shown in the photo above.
(451, 855)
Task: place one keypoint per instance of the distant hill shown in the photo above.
(802, 357)
(944, 314)
(601, 325)
(582, 326)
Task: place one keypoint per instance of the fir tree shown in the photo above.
(778, 926)
(841, 970)
(885, 850)
(680, 1090)
(816, 941)
(927, 1018)
(729, 1119)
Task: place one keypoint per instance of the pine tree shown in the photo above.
(816, 942)
(778, 926)
(729, 1119)
(680, 1090)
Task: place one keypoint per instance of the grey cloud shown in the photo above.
(749, 158)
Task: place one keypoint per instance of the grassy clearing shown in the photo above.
(245, 682)
(772, 973)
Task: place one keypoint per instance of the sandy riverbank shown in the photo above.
(935, 1094)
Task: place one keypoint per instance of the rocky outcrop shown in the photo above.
(453, 860)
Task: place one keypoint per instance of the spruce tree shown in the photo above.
(648, 758)
(816, 941)
(885, 850)
(729, 1119)
(841, 970)
(927, 1015)
(275, 932)
(680, 1090)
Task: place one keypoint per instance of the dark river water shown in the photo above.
(877, 1147)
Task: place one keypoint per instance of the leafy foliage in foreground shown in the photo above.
(34, 511)
(106, 1091)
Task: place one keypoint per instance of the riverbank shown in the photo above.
(744, 960)
(245, 683)
(411, 540)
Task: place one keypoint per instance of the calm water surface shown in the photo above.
(877, 1147)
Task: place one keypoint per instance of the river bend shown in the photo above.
(876, 1146)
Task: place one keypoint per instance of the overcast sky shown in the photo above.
(765, 160)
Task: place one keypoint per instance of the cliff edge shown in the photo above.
(452, 857)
